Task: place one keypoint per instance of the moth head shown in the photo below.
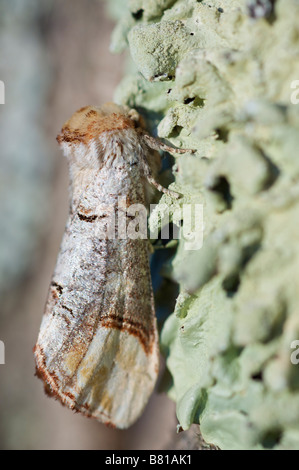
(87, 124)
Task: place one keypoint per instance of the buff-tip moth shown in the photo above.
(97, 349)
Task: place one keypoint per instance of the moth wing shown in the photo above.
(98, 351)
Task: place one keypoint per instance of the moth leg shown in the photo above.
(160, 188)
(156, 144)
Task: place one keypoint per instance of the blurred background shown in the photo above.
(54, 59)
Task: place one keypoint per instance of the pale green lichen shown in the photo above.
(216, 76)
(149, 9)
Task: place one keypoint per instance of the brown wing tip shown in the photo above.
(51, 389)
(50, 380)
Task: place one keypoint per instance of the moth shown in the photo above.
(97, 349)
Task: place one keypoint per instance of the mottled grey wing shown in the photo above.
(97, 349)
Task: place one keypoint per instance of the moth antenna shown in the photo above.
(157, 144)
